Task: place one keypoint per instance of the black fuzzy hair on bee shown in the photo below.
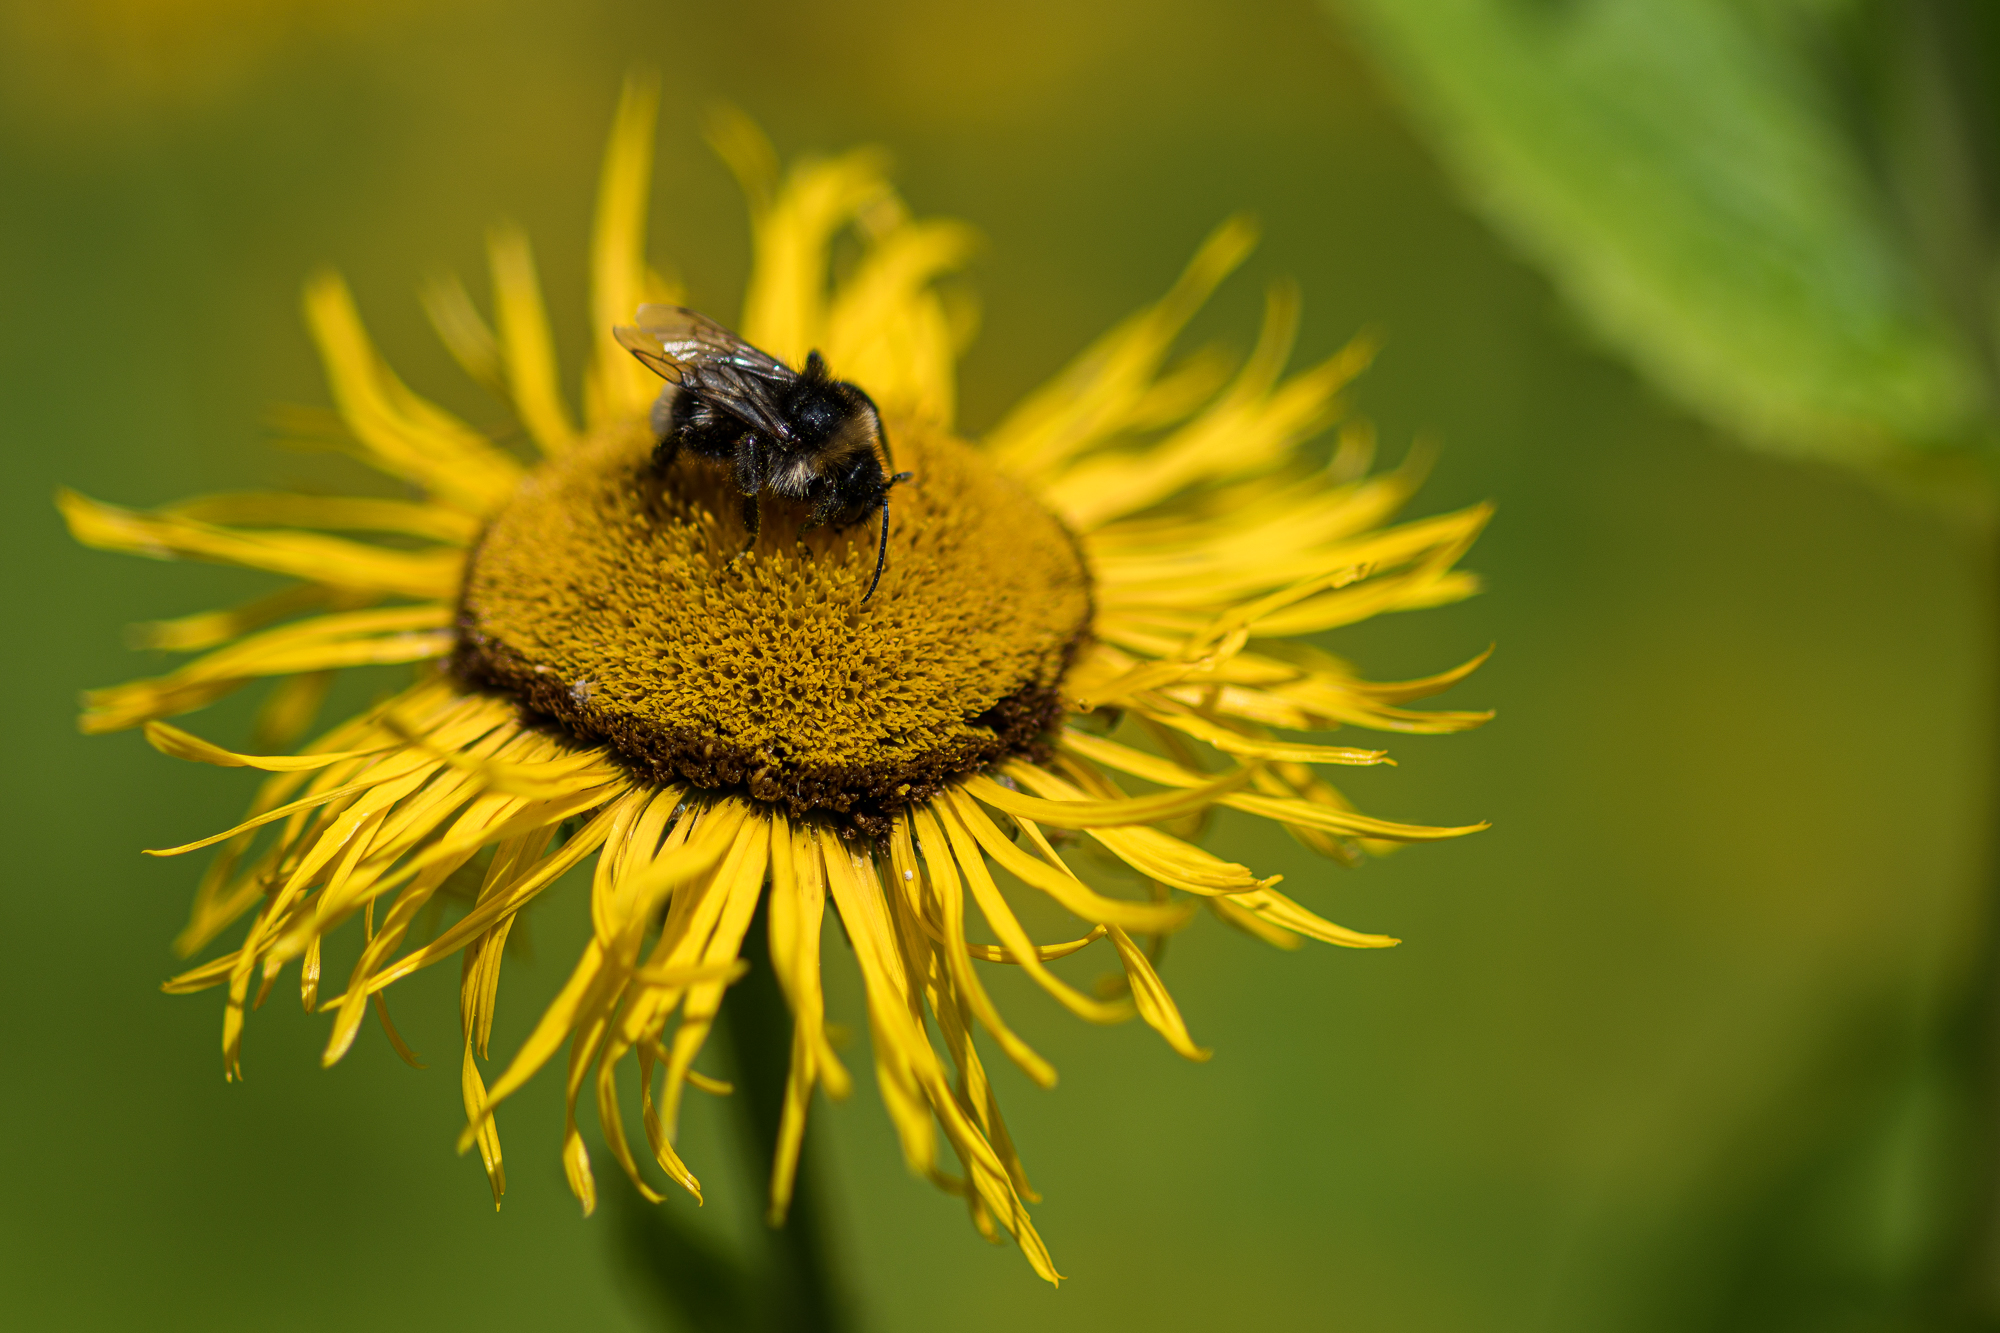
(796, 434)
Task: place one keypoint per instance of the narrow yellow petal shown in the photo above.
(965, 849)
(409, 1056)
(1103, 390)
(797, 907)
(745, 149)
(1251, 924)
(740, 885)
(339, 513)
(558, 1020)
(714, 1087)
(1091, 689)
(1407, 690)
(943, 881)
(206, 629)
(1071, 892)
(464, 331)
(178, 744)
(1154, 854)
(784, 310)
(402, 434)
(900, 1049)
(913, 1082)
(526, 346)
(288, 711)
(1141, 765)
(1188, 721)
(473, 1089)
(1278, 910)
(573, 772)
(517, 895)
(576, 1168)
(400, 634)
(166, 536)
(1250, 430)
(1341, 821)
(617, 386)
(1047, 953)
(1156, 1006)
(888, 329)
(1089, 814)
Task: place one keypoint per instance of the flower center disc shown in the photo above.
(610, 598)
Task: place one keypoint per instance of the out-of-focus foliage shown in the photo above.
(1701, 180)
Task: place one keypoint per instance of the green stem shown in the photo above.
(788, 1283)
(758, 1025)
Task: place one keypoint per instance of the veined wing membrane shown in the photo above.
(689, 349)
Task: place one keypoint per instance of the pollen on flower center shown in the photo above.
(611, 598)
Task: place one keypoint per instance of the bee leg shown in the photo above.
(749, 468)
(822, 512)
(881, 553)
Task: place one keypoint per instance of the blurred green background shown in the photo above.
(1654, 1054)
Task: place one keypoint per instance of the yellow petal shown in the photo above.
(1099, 814)
(399, 634)
(618, 387)
(1105, 389)
(993, 906)
(338, 513)
(178, 744)
(901, 1049)
(288, 711)
(943, 881)
(433, 573)
(1278, 910)
(1154, 854)
(401, 434)
(1156, 1006)
(889, 331)
(1141, 765)
(1067, 890)
(526, 346)
(206, 629)
(1189, 722)
(1250, 923)
(464, 331)
(784, 310)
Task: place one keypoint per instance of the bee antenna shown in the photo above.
(881, 553)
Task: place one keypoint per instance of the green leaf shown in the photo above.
(1684, 177)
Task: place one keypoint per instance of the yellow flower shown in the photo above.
(1110, 586)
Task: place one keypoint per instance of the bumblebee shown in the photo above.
(796, 434)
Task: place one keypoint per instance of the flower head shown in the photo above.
(1108, 588)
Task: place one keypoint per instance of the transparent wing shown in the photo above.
(685, 337)
(695, 352)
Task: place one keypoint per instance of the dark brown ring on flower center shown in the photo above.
(609, 600)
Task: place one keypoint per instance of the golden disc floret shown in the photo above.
(612, 598)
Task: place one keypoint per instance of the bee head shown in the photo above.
(859, 429)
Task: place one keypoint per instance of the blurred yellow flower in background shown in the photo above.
(1107, 587)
